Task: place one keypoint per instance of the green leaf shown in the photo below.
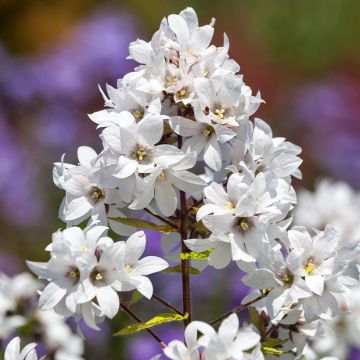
(135, 297)
(255, 319)
(272, 351)
(177, 269)
(142, 224)
(272, 342)
(192, 255)
(157, 320)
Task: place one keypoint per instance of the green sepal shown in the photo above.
(192, 255)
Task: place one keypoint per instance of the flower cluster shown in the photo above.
(86, 266)
(19, 314)
(179, 146)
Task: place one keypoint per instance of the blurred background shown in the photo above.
(304, 57)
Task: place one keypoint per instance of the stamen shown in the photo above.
(161, 176)
(181, 93)
(288, 279)
(208, 131)
(138, 114)
(229, 205)
(220, 113)
(74, 274)
(98, 277)
(309, 267)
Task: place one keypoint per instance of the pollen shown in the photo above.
(138, 114)
(288, 279)
(206, 73)
(73, 274)
(243, 223)
(96, 193)
(98, 277)
(220, 113)
(84, 248)
(171, 80)
(161, 176)
(127, 268)
(309, 267)
(229, 205)
(141, 154)
(208, 131)
(181, 93)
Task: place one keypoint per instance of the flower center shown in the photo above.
(208, 131)
(288, 278)
(309, 267)
(138, 114)
(181, 93)
(128, 269)
(219, 113)
(243, 224)
(74, 274)
(142, 154)
(97, 275)
(161, 176)
(96, 193)
(171, 80)
(230, 206)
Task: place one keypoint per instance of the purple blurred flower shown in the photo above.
(355, 354)
(9, 264)
(95, 52)
(50, 89)
(328, 116)
(19, 200)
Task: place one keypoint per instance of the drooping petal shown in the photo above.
(108, 301)
(166, 198)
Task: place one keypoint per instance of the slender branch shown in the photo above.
(161, 218)
(136, 318)
(195, 204)
(239, 308)
(185, 263)
(165, 303)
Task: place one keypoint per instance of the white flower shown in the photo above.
(229, 343)
(76, 271)
(203, 137)
(58, 336)
(326, 269)
(225, 100)
(14, 291)
(134, 269)
(134, 147)
(252, 206)
(277, 273)
(13, 352)
(334, 203)
(85, 194)
(161, 183)
(178, 36)
(260, 151)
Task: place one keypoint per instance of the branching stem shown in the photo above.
(165, 303)
(137, 319)
(185, 263)
(161, 218)
(239, 308)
